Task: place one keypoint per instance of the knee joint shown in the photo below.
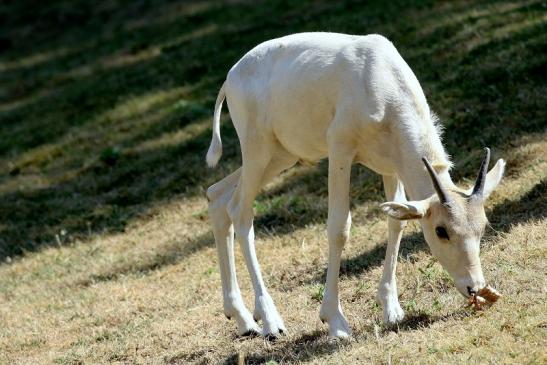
(338, 233)
(339, 238)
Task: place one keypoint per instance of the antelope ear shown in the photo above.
(493, 178)
(407, 210)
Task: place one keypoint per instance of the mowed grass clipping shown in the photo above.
(106, 252)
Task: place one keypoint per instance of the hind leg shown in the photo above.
(219, 195)
(265, 309)
(261, 162)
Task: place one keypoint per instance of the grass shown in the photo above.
(105, 247)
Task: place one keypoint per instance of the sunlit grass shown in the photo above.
(33, 59)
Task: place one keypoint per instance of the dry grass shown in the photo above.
(151, 294)
(105, 246)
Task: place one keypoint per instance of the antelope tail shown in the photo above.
(215, 149)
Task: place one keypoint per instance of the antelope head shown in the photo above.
(453, 222)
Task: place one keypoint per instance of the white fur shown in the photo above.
(215, 149)
(306, 97)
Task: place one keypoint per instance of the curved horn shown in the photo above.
(481, 178)
(443, 196)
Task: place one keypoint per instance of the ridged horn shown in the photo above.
(478, 189)
(441, 192)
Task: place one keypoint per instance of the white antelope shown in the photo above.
(352, 99)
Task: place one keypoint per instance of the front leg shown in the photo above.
(338, 226)
(387, 291)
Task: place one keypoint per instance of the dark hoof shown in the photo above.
(271, 337)
(251, 333)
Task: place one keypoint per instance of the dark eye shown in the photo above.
(441, 233)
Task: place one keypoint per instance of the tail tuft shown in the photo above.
(215, 149)
(214, 153)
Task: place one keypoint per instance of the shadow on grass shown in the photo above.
(166, 255)
(310, 345)
(304, 347)
(418, 320)
(531, 206)
(351, 266)
(77, 64)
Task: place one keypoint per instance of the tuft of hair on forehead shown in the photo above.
(466, 214)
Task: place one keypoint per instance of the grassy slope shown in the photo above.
(104, 240)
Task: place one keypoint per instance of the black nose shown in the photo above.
(470, 291)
